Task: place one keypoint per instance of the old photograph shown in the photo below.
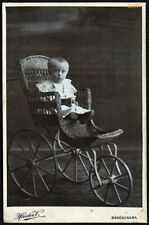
(74, 84)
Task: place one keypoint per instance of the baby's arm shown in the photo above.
(71, 92)
(44, 86)
(73, 101)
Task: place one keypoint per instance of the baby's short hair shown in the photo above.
(55, 60)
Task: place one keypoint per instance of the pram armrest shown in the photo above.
(84, 98)
(44, 102)
(50, 97)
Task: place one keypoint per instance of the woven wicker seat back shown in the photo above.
(34, 69)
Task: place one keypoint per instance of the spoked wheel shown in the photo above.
(112, 184)
(32, 163)
(73, 163)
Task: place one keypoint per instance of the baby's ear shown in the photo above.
(49, 69)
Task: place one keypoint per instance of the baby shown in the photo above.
(58, 69)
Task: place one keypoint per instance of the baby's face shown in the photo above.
(59, 71)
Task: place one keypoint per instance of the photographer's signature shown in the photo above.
(31, 215)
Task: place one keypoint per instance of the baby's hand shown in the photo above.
(73, 101)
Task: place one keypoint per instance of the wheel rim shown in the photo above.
(113, 184)
(73, 163)
(32, 163)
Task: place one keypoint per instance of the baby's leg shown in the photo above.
(72, 116)
(84, 118)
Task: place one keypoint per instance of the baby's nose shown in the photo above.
(60, 73)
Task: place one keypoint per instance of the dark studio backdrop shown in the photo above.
(104, 48)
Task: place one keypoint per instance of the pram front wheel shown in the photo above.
(112, 182)
(32, 163)
(73, 162)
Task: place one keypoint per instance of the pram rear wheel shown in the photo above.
(73, 162)
(32, 163)
(112, 184)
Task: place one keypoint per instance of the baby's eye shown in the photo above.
(63, 71)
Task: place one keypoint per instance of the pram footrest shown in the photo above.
(110, 135)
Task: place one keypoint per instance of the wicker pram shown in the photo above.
(80, 151)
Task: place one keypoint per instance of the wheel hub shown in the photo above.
(109, 180)
(76, 151)
(112, 179)
(30, 163)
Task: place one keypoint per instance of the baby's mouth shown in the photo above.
(59, 79)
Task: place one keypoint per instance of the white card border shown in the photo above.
(79, 214)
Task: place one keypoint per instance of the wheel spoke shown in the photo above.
(103, 177)
(39, 143)
(107, 191)
(62, 154)
(114, 163)
(106, 167)
(99, 167)
(37, 154)
(122, 186)
(26, 175)
(122, 175)
(43, 181)
(98, 185)
(29, 144)
(19, 157)
(21, 147)
(18, 168)
(62, 142)
(33, 150)
(83, 164)
(85, 156)
(32, 147)
(67, 164)
(117, 194)
(76, 165)
(65, 147)
(44, 158)
(34, 183)
(44, 170)
(59, 147)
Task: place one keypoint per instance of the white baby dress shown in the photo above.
(66, 90)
